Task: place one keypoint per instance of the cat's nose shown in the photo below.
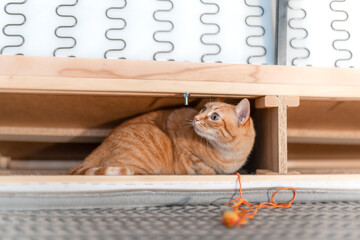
(196, 118)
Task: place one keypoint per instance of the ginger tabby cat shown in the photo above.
(217, 140)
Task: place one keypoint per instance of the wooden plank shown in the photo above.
(105, 76)
(325, 122)
(74, 111)
(42, 164)
(272, 101)
(268, 172)
(327, 171)
(58, 135)
(46, 150)
(298, 151)
(314, 136)
(253, 179)
(324, 163)
(270, 150)
(30, 173)
(325, 115)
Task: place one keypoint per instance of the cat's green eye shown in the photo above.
(203, 110)
(214, 117)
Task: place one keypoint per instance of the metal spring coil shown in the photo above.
(164, 31)
(115, 29)
(210, 34)
(291, 20)
(340, 30)
(13, 24)
(255, 36)
(64, 26)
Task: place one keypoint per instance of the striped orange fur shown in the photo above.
(217, 140)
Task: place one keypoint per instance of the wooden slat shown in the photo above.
(326, 171)
(104, 76)
(325, 115)
(58, 135)
(181, 179)
(46, 150)
(298, 151)
(77, 111)
(42, 165)
(324, 164)
(314, 136)
(30, 173)
(325, 122)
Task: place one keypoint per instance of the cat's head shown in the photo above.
(223, 123)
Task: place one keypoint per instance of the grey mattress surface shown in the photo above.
(311, 220)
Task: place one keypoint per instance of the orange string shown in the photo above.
(244, 210)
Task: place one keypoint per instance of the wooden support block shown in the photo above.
(4, 161)
(293, 101)
(270, 149)
(266, 102)
(272, 101)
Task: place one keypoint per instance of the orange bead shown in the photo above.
(230, 219)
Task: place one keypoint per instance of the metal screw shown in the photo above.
(186, 96)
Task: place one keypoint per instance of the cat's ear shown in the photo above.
(243, 111)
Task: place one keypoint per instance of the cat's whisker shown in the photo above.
(189, 124)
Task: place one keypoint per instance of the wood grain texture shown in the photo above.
(324, 163)
(325, 115)
(315, 136)
(325, 122)
(300, 151)
(270, 150)
(105, 76)
(74, 111)
(282, 134)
